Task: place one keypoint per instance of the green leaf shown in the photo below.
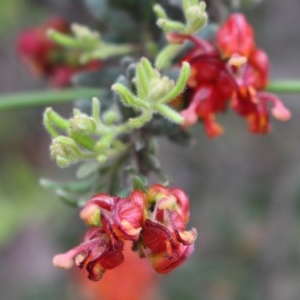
(82, 186)
(87, 169)
(140, 183)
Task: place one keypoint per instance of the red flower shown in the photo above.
(36, 49)
(115, 220)
(97, 253)
(235, 39)
(231, 73)
(155, 222)
(210, 86)
(45, 58)
(167, 243)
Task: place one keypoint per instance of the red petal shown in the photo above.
(236, 36)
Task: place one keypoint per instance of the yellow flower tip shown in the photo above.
(90, 214)
(79, 259)
(167, 202)
(63, 261)
(129, 229)
(237, 60)
(188, 237)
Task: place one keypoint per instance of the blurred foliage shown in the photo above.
(13, 10)
(21, 199)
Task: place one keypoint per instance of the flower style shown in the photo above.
(45, 58)
(231, 72)
(153, 221)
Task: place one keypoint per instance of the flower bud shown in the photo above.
(82, 124)
(196, 17)
(65, 151)
(160, 87)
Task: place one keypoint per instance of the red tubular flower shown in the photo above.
(210, 88)
(36, 49)
(167, 243)
(154, 222)
(233, 71)
(45, 58)
(121, 217)
(236, 38)
(97, 253)
(115, 220)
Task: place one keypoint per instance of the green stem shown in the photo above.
(41, 98)
(284, 86)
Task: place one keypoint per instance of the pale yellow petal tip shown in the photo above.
(281, 113)
(237, 60)
(62, 261)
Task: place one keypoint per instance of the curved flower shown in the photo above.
(236, 38)
(36, 49)
(97, 253)
(234, 73)
(154, 221)
(167, 244)
(209, 88)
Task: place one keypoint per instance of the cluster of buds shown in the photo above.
(229, 72)
(154, 221)
(46, 58)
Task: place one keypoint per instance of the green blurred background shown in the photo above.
(245, 189)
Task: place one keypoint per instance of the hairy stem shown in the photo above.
(41, 98)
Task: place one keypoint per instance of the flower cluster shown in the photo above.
(231, 71)
(46, 58)
(153, 221)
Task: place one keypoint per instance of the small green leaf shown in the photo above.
(82, 186)
(140, 183)
(87, 168)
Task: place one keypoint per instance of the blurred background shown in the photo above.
(245, 189)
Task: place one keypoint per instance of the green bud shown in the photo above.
(83, 32)
(81, 124)
(159, 11)
(65, 151)
(159, 88)
(196, 17)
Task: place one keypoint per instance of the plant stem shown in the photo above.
(41, 98)
(284, 86)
